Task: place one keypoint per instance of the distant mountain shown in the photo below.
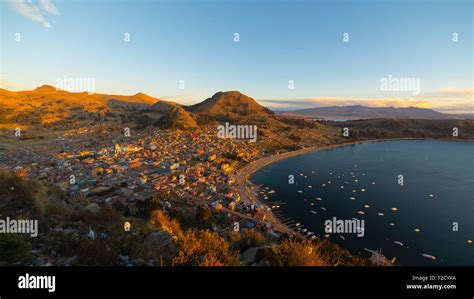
(364, 112)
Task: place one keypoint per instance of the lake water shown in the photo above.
(443, 169)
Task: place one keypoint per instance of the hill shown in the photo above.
(47, 106)
(232, 106)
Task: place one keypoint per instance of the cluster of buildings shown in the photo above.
(192, 165)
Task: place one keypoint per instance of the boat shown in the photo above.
(362, 190)
(323, 208)
(324, 185)
(354, 191)
(469, 242)
(429, 256)
(378, 258)
(373, 183)
(311, 204)
(313, 237)
(299, 191)
(392, 224)
(431, 195)
(297, 224)
(380, 214)
(394, 209)
(352, 198)
(342, 187)
(329, 182)
(398, 243)
(417, 230)
(310, 186)
(360, 212)
(314, 212)
(304, 230)
(319, 198)
(342, 237)
(366, 206)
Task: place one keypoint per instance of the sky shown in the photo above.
(288, 55)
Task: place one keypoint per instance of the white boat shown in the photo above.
(469, 242)
(323, 208)
(342, 237)
(352, 198)
(314, 212)
(342, 187)
(392, 224)
(431, 195)
(394, 209)
(311, 204)
(417, 230)
(380, 214)
(319, 198)
(299, 191)
(362, 190)
(324, 185)
(429, 256)
(361, 212)
(366, 206)
(398, 243)
(297, 224)
(310, 186)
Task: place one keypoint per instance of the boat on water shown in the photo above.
(416, 230)
(380, 214)
(366, 206)
(319, 198)
(314, 212)
(299, 191)
(352, 198)
(323, 208)
(394, 209)
(342, 237)
(361, 212)
(429, 256)
(377, 258)
(398, 243)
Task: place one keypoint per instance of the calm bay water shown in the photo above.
(442, 168)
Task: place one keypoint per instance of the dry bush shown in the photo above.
(246, 239)
(301, 253)
(172, 226)
(204, 248)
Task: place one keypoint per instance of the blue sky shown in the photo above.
(279, 41)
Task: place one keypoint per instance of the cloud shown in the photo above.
(33, 12)
(49, 7)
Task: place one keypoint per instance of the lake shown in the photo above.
(436, 197)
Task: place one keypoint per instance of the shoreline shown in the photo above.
(245, 185)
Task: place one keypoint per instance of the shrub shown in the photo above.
(204, 248)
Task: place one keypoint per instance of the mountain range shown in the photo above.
(364, 112)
